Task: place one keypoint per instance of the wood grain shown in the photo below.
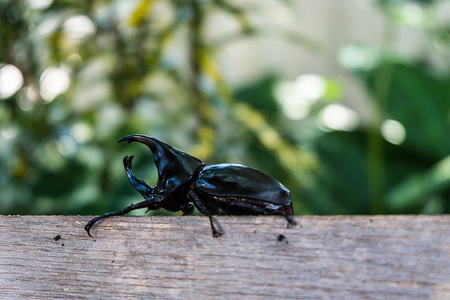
(339, 257)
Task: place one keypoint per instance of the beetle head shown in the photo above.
(174, 166)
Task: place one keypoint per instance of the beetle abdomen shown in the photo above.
(233, 180)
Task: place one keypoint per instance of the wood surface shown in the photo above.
(332, 257)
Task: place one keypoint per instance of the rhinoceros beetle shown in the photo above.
(222, 189)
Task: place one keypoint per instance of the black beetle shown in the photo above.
(223, 189)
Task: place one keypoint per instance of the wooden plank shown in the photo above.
(340, 257)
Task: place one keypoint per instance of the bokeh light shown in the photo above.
(358, 57)
(394, 132)
(78, 27)
(11, 80)
(27, 99)
(339, 117)
(296, 97)
(39, 4)
(53, 82)
(9, 132)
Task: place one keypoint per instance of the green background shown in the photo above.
(59, 154)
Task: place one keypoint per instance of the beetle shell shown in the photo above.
(233, 180)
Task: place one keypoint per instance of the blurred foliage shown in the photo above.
(92, 72)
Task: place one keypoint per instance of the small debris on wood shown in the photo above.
(282, 238)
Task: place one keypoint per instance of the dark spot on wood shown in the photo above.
(57, 238)
(281, 237)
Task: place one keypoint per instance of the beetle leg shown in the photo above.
(188, 210)
(201, 208)
(215, 232)
(291, 221)
(146, 203)
(151, 207)
(261, 211)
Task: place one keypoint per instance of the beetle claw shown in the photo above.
(215, 232)
(88, 228)
(291, 221)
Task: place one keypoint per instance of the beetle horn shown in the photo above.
(146, 191)
(174, 166)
